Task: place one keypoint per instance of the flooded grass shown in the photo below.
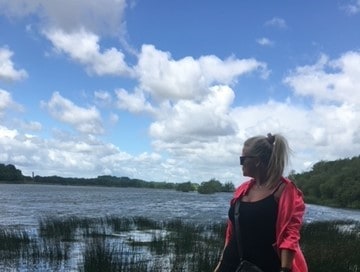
(333, 246)
(141, 244)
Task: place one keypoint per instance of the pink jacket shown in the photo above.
(289, 221)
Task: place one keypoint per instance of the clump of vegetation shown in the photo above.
(186, 187)
(13, 242)
(115, 244)
(332, 183)
(332, 246)
(9, 174)
(214, 186)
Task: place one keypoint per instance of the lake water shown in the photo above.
(23, 205)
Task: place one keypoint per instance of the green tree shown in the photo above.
(210, 187)
(10, 173)
(185, 187)
(334, 183)
(228, 187)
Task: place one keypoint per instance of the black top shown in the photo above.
(257, 225)
(257, 221)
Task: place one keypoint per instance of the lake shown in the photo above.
(23, 205)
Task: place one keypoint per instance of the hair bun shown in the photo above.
(270, 138)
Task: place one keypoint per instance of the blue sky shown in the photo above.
(169, 90)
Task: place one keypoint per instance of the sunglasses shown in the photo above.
(243, 158)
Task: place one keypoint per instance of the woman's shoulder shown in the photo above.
(242, 188)
(290, 184)
(290, 189)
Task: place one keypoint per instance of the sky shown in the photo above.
(170, 90)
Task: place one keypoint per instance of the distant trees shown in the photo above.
(214, 186)
(332, 183)
(186, 187)
(10, 173)
(106, 180)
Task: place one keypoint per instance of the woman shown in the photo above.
(270, 212)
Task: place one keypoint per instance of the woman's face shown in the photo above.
(249, 163)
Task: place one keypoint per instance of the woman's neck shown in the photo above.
(261, 179)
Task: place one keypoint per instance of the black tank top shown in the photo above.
(257, 222)
(257, 225)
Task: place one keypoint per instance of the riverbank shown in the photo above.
(141, 244)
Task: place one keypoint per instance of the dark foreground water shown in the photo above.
(24, 204)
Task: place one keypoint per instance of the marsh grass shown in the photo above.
(13, 243)
(333, 246)
(115, 244)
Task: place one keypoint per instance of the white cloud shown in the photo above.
(135, 102)
(265, 41)
(28, 125)
(6, 102)
(7, 133)
(7, 69)
(353, 8)
(85, 120)
(190, 121)
(326, 132)
(276, 22)
(103, 97)
(187, 78)
(333, 81)
(82, 46)
(82, 156)
(104, 16)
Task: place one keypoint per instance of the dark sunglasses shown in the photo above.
(243, 158)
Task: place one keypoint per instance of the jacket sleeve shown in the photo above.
(290, 217)
(229, 232)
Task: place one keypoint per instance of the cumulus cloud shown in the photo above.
(74, 28)
(332, 121)
(265, 42)
(82, 46)
(190, 121)
(7, 102)
(103, 97)
(329, 80)
(7, 69)
(83, 156)
(187, 78)
(325, 132)
(84, 120)
(353, 8)
(28, 126)
(104, 16)
(133, 102)
(326, 129)
(276, 22)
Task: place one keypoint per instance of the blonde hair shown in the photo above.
(273, 152)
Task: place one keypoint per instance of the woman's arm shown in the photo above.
(290, 219)
(286, 257)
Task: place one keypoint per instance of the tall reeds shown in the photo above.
(141, 244)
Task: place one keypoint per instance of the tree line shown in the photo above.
(9, 174)
(332, 183)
